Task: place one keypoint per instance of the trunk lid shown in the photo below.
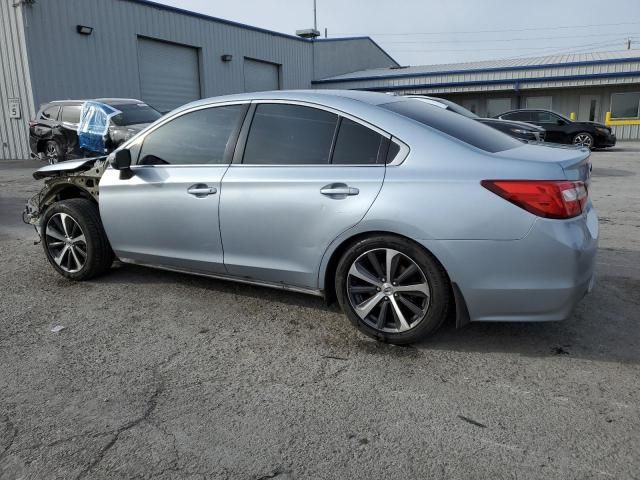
(574, 161)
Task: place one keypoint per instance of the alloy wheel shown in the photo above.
(583, 139)
(388, 290)
(51, 154)
(66, 242)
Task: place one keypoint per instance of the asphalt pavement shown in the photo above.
(162, 375)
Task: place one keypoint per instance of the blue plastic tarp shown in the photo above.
(94, 125)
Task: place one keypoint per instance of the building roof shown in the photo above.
(560, 60)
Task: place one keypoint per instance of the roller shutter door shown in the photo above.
(169, 74)
(260, 76)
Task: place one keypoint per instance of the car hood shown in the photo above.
(70, 166)
(512, 123)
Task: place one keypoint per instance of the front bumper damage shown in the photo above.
(63, 182)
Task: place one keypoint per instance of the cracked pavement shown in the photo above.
(162, 375)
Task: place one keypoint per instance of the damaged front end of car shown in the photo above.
(64, 180)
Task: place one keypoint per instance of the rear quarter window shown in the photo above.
(457, 126)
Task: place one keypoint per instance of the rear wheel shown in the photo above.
(53, 152)
(392, 289)
(584, 139)
(74, 240)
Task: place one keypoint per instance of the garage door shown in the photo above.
(260, 76)
(169, 74)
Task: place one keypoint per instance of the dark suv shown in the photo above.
(562, 130)
(53, 134)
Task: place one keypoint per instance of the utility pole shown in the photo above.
(315, 16)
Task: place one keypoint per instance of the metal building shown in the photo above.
(585, 86)
(62, 49)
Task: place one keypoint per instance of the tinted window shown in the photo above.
(71, 113)
(357, 144)
(519, 116)
(195, 138)
(544, 117)
(625, 105)
(133, 113)
(290, 134)
(465, 129)
(50, 113)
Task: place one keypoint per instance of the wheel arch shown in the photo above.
(326, 278)
(66, 191)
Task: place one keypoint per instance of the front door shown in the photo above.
(166, 213)
(306, 175)
(589, 108)
(554, 126)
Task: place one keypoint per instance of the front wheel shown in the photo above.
(583, 139)
(392, 289)
(74, 240)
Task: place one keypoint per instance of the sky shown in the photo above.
(420, 32)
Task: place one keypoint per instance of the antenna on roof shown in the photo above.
(310, 33)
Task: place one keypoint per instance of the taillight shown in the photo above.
(545, 198)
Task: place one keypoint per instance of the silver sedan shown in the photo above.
(401, 211)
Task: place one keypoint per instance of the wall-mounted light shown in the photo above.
(84, 30)
(226, 57)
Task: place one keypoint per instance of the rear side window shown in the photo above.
(283, 134)
(71, 114)
(358, 145)
(195, 138)
(519, 116)
(465, 129)
(50, 113)
(544, 117)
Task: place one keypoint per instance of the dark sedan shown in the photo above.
(562, 130)
(53, 134)
(521, 130)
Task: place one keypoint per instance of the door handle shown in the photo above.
(201, 190)
(339, 190)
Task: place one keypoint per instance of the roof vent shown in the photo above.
(308, 33)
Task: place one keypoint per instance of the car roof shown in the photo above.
(313, 96)
(108, 101)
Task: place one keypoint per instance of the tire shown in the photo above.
(583, 138)
(53, 152)
(411, 265)
(74, 226)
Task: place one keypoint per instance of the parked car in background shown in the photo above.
(521, 130)
(560, 129)
(53, 134)
(397, 208)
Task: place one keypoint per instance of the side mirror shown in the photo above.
(121, 160)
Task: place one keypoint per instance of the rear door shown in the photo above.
(166, 214)
(553, 124)
(69, 121)
(301, 176)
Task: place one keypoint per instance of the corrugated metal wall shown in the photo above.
(66, 64)
(14, 83)
(338, 56)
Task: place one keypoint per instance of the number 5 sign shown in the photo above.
(14, 108)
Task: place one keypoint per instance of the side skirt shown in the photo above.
(221, 276)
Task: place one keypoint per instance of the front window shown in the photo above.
(195, 138)
(133, 113)
(625, 105)
(457, 126)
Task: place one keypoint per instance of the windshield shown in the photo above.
(458, 126)
(454, 107)
(133, 113)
